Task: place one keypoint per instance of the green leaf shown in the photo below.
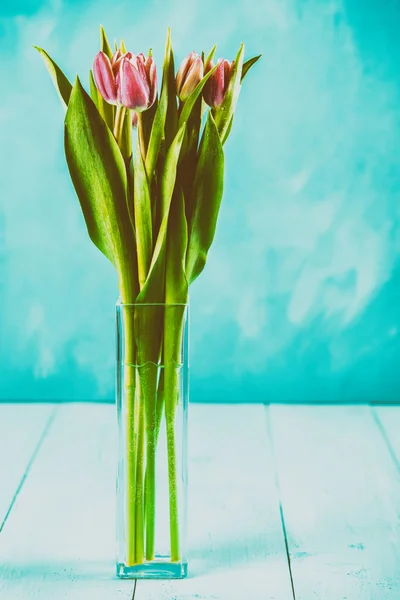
(106, 110)
(170, 169)
(131, 187)
(248, 64)
(93, 89)
(165, 119)
(188, 162)
(224, 113)
(191, 101)
(210, 55)
(176, 292)
(123, 47)
(228, 130)
(147, 119)
(176, 284)
(61, 83)
(157, 134)
(104, 44)
(143, 218)
(169, 87)
(98, 173)
(206, 201)
(153, 290)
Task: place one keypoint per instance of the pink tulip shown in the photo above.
(135, 119)
(217, 85)
(128, 80)
(136, 82)
(105, 78)
(190, 73)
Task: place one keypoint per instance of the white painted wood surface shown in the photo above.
(340, 491)
(339, 486)
(236, 544)
(388, 421)
(58, 541)
(22, 427)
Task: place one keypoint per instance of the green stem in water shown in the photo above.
(148, 386)
(160, 403)
(129, 392)
(170, 388)
(173, 327)
(139, 514)
(172, 344)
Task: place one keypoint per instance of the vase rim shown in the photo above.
(137, 304)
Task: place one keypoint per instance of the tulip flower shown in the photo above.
(190, 73)
(136, 82)
(127, 80)
(135, 119)
(104, 77)
(216, 87)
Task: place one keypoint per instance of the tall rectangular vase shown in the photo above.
(152, 406)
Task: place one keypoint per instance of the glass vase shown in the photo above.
(152, 405)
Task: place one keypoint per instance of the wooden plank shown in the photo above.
(59, 540)
(236, 544)
(340, 493)
(388, 421)
(22, 427)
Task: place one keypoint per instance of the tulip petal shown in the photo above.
(214, 90)
(117, 55)
(227, 74)
(183, 71)
(104, 78)
(152, 79)
(143, 74)
(133, 90)
(192, 79)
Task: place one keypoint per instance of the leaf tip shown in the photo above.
(169, 41)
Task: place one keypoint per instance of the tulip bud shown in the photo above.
(116, 60)
(136, 82)
(217, 85)
(190, 73)
(135, 119)
(105, 78)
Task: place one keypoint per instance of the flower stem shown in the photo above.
(142, 142)
(173, 324)
(148, 384)
(150, 493)
(119, 124)
(139, 514)
(160, 403)
(173, 499)
(131, 435)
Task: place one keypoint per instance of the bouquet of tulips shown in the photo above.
(148, 170)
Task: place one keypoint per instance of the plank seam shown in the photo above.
(277, 484)
(385, 438)
(35, 452)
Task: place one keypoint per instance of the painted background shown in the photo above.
(300, 300)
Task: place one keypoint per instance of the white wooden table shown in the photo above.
(285, 502)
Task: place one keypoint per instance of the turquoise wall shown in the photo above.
(300, 300)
